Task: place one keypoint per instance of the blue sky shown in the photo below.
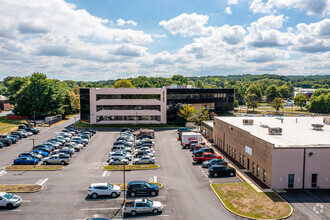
(109, 39)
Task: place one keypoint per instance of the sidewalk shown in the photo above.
(241, 172)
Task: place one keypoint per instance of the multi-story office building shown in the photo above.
(286, 152)
(148, 105)
(123, 105)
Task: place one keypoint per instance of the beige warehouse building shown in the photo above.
(286, 152)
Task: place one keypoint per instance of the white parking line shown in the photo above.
(3, 173)
(97, 209)
(104, 173)
(43, 182)
(155, 179)
(17, 210)
(26, 201)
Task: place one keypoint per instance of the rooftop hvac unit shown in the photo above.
(274, 131)
(247, 121)
(317, 127)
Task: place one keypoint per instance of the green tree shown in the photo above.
(272, 93)
(277, 103)
(254, 89)
(316, 86)
(325, 86)
(188, 113)
(251, 101)
(320, 101)
(199, 84)
(300, 100)
(284, 90)
(123, 83)
(236, 103)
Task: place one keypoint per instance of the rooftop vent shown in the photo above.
(275, 131)
(326, 120)
(317, 127)
(247, 121)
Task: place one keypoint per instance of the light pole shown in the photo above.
(34, 153)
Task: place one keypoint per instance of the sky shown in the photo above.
(108, 39)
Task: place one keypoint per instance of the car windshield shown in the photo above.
(147, 184)
(8, 196)
(149, 202)
(110, 186)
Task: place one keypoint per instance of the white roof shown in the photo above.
(300, 134)
(210, 123)
(99, 184)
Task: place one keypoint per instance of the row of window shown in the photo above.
(196, 96)
(245, 162)
(127, 107)
(128, 118)
(128, 96)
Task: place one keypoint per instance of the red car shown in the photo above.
(201, 157)
(188, 144)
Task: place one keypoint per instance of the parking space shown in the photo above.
(66, 191)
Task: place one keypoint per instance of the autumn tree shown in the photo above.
(123, 83)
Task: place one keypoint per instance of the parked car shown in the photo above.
(25, 161)
(119, 155)
(144, 160)
(1, 144)
(135, 188)
(20, 134)
(9, 201)
(33, 130)
(220, 170)
(30, 154)
(56, 159)
(12, 138)
(103, 189)
(203, 150)
(42, 153)
(200, 157)
(142, 206)
(25, 132)
(118, 161)
(6, 141)
(43, 148)
(209, 163)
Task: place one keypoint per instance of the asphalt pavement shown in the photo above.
(186, 193)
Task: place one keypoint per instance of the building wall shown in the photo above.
(234, 140)
(125, 102)
(290, 161)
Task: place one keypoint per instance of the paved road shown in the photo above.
(186, 194)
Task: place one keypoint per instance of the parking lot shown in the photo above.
(186, 193)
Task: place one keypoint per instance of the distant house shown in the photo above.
(307, 92)
(4, 103)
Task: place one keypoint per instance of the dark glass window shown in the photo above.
(128, 107)
(128, 96)
(128, 118)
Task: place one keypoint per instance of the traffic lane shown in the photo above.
(308, 204)
(186, 186)
(8, 154)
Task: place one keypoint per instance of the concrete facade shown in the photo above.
(106, 106)
(299, 150)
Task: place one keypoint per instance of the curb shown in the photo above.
(32, 170)
(38, 190)
(133, 169)
(247, 217)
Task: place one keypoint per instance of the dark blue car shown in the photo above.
(25, 161)
(41, 152)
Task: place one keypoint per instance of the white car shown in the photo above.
(63, 138)
(118, 162)
(64, 133)
(144, 160)
(9, 200)
(103, 189)
(119, 155)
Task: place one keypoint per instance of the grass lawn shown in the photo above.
(132, 167)
(122, 185)
(37, 168)
(242, 199)
(86, 125)
(7, 126)
(19, 188)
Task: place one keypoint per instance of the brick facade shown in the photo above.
(234, 140)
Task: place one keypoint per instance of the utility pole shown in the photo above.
(34, 154)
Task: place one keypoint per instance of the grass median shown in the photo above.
(32, 168)
(20, 188)
(132, 167)
(122, 185)
(243, 200)
(7, 126)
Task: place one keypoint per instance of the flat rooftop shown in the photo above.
(298, 133)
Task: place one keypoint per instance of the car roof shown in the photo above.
(206, 153)
(136, 182)
(219, 166)
(2, 193)
(24, 157)
(98, 184)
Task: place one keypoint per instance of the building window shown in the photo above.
(232, 152)
(229, 150)
(128, 118)
(243, 160)
(264, 175)
(128, 96)
(235, 154)
(253, 167)
(258, 170)
(127, 107)
(290, 181)
(314, 180)
(240, 158)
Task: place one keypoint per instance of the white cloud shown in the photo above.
(186, 24)
(313, 7)
(121, 22)
(233, 2)
(228, 11)
(159, 35)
